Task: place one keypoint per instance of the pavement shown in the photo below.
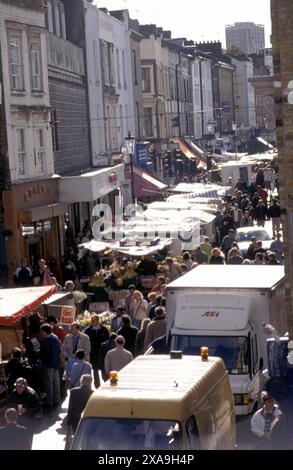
(51, 433)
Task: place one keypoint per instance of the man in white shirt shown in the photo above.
(264, 420)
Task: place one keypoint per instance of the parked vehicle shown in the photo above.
(243, 237)
(161, 403)
(224, 308)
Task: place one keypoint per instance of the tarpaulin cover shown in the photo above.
(16, 303)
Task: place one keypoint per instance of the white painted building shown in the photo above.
(201, 73)
(26, 94)
(244, 93)
(94, 82)
(110, 84)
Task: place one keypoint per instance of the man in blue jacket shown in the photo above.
(50, 354)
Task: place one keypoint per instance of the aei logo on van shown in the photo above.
(211, 314)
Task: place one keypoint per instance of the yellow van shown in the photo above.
(161, 403)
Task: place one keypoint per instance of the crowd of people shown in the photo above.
(52, 361)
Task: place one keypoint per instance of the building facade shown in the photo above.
(30, 201)
(67, 86)
(222, 73)
(244, 94)
(282, 38)
(167, 89)
(245, 37)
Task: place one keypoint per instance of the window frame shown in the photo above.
(40, 151)
(36, 40)
(21, 151)
(16, 36)
(146, 79)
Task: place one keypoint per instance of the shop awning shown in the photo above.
(91, 186)
(138, 251)
(43, 212)
(145, 184)
(191, 151)
(94, 246)
(17, 303)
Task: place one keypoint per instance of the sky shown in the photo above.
(199, 20)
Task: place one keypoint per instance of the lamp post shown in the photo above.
(210, 130)
(130, 145)
(267, 130)
(234, 127)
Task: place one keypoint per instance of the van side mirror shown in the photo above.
(261, 364)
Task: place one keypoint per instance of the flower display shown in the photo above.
(79, 296)
(85, 319)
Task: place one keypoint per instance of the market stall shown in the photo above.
(16, 304)
(140, 248)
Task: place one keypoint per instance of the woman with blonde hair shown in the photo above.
(217, 257)
(138, 308)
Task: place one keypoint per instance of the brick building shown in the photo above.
(282, 40)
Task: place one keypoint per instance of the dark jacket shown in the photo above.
(14, 437)
(104, 348)
(97, 337)
(23, 278)
(139, 343)
(78, 399)
(129, 333)
(274, 211)
(50, 352)
(30, 400)
(160, 346)
(14, 369)
(260, 212)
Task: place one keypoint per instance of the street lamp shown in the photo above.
(267, 130)
(130, 145)
(210, 128)
(234, 127)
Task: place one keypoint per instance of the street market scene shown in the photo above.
(145, 230)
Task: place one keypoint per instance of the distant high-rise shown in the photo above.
(248, 37)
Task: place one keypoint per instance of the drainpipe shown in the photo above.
(177, 91)
(201, 100)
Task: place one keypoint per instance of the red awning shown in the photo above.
(145, 184)
(16, 303)
(192, 152)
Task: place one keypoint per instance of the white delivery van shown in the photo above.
(239, 169)
(223, 308)
(161, 403)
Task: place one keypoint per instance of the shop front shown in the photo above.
(34, 220)
(84, 191)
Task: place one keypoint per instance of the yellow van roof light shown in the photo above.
(204, 352)
(113, 376)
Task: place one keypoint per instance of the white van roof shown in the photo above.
(149, 386)
(230, 277)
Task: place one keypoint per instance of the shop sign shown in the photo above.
(67, 316)
(40, 188)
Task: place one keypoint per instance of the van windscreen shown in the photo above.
(125, 434)
(232, 349)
